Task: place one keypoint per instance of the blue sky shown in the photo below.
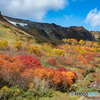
(66, 13)
(74, 14)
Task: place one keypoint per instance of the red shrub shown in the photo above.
(61, 69)
(52, 62)
(29, 62)
(90, 58)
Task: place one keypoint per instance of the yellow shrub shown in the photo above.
(83, 51)
(81, 42)
(95, 44)
(47, 47)
(92, 49)
(3, 44)
(58, 52)
(18, 45)
(4, 91)
(34, 49)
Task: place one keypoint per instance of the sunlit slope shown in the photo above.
(10, 33)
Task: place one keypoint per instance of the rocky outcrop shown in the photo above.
(96, 34)
(51, 32)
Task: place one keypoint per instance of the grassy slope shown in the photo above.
(11, 33)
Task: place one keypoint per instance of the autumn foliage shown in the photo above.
(57, 79)
(20, 69)
(60, 66)
(29, 62)
(52, 62)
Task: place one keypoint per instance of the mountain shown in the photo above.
(96, 34)
(45, 32)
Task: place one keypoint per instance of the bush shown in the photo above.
(4, 93)
(61, 69)
(29, 62)
(22, 70)
(34, 49)
(56, 79)
(58, 52)
(10, 70)
(3, 44)
(18, 45)
(52, 62)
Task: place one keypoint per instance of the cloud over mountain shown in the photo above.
(34, 9)
(93, 18)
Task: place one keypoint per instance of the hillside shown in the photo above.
(43, 71)
(45, 32)
(10, 33)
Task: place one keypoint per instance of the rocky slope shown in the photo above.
(96, 34)
(52, 33)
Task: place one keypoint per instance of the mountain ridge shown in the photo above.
(52, 33)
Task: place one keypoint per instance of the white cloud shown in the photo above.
(67, 17)
(34, 9)
(93, 17)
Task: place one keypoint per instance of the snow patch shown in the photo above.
(15, 23)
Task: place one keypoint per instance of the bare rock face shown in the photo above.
(96, 34)
(51, 32)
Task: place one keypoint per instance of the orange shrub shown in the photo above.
(57, 79)
(10, 70)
